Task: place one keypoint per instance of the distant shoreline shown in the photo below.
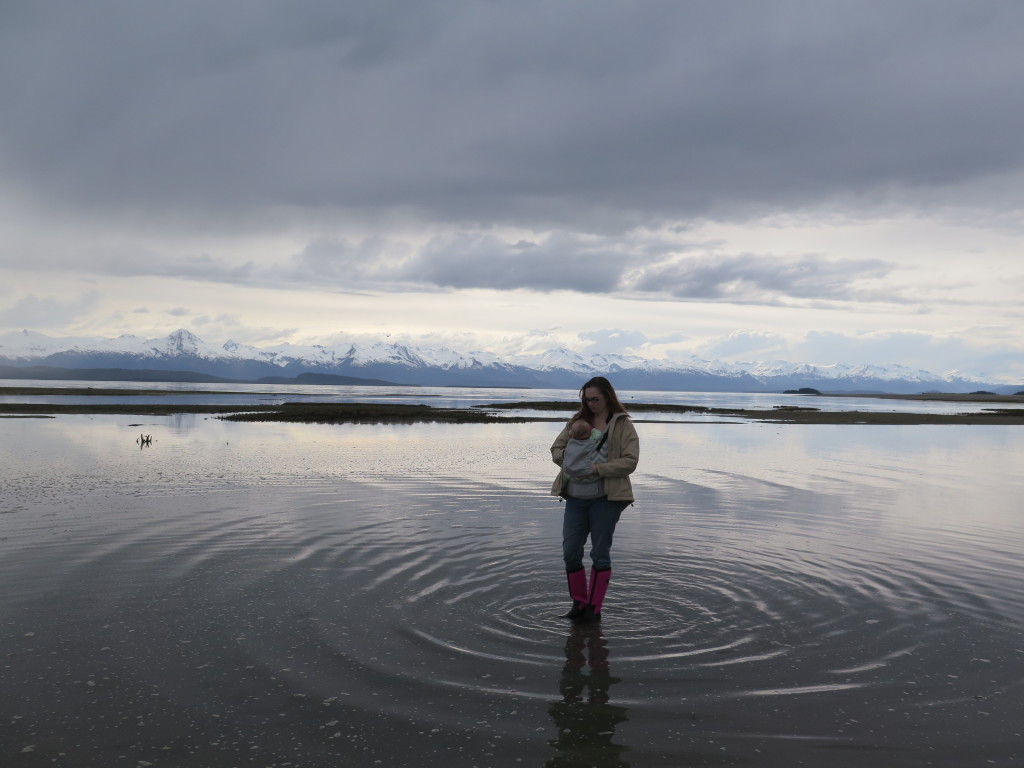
(339, 413)
(952, 397)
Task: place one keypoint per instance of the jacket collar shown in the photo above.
(615, 417)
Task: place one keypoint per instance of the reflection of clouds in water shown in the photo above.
(411, 577)
(585, 716)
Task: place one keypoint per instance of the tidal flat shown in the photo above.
(278, 593)
(42, 401)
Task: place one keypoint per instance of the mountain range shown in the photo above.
(24, 352)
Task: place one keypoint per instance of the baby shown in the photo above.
(582, 430)
(581, 453)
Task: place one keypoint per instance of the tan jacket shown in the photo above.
(623, 455)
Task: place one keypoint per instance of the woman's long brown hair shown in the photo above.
(605, 387)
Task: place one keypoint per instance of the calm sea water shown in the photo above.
(313, 595)
(459, 397)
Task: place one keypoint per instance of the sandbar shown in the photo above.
(338, 413)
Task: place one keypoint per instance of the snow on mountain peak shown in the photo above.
(183, 342)
(448, 365)
(25, 343)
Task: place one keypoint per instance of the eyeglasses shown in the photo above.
(592, 399)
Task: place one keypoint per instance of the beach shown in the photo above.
(287, 593)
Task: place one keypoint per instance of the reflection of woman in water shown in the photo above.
(593, 507)
(584, 718)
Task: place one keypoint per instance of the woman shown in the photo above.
(591, 511)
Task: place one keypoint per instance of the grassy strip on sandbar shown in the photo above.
(370, 413)
(391, 413)
(800, 414)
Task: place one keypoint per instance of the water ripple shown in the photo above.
(745, 604)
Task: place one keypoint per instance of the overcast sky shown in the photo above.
(813, 181)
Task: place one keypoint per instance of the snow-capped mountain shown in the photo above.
(401, 364)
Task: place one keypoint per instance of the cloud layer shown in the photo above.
(472, 113)
(732, 177)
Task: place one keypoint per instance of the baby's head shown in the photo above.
(580, 429)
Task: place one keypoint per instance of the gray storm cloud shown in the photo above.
(586, 264)
(465, 260)
(749, 277)
(547, 115)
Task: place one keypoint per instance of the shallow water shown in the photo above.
(288, 594)
(464, 397)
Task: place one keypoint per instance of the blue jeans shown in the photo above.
(595, 518)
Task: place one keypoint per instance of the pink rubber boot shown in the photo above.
(598, 589)
(577, 591)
